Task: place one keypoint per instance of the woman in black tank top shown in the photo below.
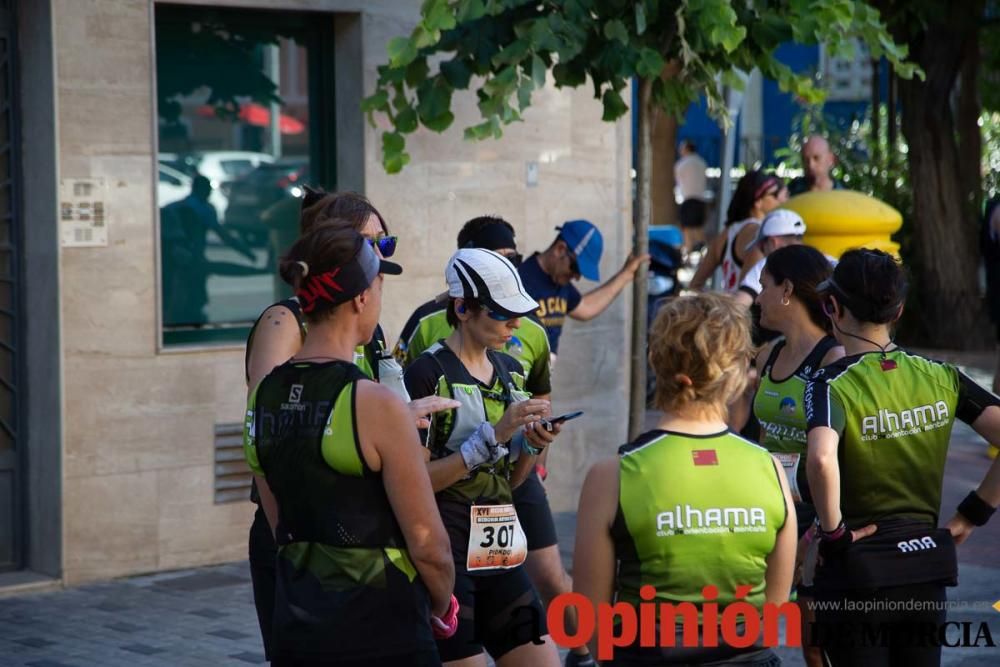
(276, 336)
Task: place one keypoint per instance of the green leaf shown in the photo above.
(406, 121)
(440, 123)
(416, 72)
(393, 142)
(615, 29)
(423, 38)
(438, 16)
(538, 70)
(395, 162)
(399, 101)
(640, 18)
(733, 80)
(569, 75)
(376, 102)
(401, 52)
(488, 128)
(471, 10)
(457, 73)
(513, 53)
(524, 95)
(434, 101)
(730, 37)
(673, 96)
(650, 64)
(387, 74)
(614, 105)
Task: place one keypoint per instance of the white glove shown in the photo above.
(482, 447)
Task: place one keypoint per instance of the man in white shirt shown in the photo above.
(689, 177)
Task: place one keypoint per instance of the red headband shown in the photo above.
(320, 287)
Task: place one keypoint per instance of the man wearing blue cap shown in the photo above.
(548, 277)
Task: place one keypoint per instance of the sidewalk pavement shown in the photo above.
(205, 616)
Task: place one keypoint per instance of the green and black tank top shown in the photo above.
(694, 510)
(778, 406)
(438, 371)
(894, 414)
(346, 587)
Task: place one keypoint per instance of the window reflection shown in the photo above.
(234, 139)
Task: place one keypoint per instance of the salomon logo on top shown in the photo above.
(295, 395)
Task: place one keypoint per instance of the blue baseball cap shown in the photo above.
(586, 243)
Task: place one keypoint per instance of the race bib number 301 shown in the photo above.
(496, 540)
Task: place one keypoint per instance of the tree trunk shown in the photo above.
(876, 110)
(891, 120)
(637, 397)
(664, 147)
(945, 242)
(970, 141)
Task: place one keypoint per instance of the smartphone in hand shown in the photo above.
(549, 423)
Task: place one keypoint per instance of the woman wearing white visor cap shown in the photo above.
(477, 453)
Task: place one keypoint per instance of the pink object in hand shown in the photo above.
(445, 627)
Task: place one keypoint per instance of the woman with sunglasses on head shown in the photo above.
(363, 560)
(689, 504)
(756, 195)
(879, 425)
(276, 336)
(477, 453)
(791, 306)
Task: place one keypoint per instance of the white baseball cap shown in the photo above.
(779, 222)
(489, 278)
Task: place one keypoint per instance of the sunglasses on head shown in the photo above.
(386, 244)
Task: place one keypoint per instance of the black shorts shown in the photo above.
(263, 552)
(497, 613)
(692, 213)
(532, 505)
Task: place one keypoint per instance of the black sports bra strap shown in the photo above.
(815, 358)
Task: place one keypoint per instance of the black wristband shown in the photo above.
(834, 544)
(975, 509)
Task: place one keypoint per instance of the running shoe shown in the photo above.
(574, 660)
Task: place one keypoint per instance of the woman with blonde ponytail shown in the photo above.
(689, 504)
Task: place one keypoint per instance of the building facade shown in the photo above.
(122, 318)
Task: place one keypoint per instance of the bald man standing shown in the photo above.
(817, 162)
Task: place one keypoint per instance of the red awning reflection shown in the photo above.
(259, 115)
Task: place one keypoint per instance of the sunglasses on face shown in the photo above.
(514, 258)
(574, 266)
(386, 244)
(499, 317)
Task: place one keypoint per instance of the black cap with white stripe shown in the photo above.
(489, 278)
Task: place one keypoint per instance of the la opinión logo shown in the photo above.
(739, 625)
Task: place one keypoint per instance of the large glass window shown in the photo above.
(241, 124)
